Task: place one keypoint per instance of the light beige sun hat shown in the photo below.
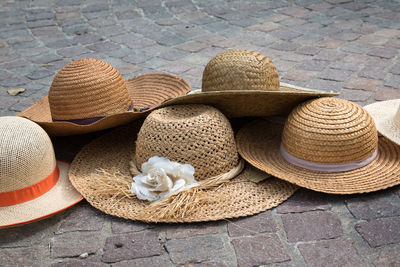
(33, 184)
(386, 115)
(89, 95)
(198, 135)
(243, 83)
(328, 144)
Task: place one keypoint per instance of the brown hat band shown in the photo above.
(30, 192)
(326, 167)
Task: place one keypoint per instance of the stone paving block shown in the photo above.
(387, 258)
(373, 72)
(119, 225)
(197, 249)
(330, 43)
(259, 250)
(131, 246)
(299, 75)
(284, 34)
(312, 225)
(179, 231)
(152, 261)
(73, 51)
(386, 94)
(104, 46)
(313, 65)
(78, 263)
(305, 200)
(88, 38)
(81, 217)
(393, 81)
(74, 244)
(331, 253)
(335, 75)
(285, 46)
(192, 46)
(353, 95)
(381, 231)
(330, 55)
(39, 74)
(383, 52)
(20, 257)
(374, 205)
(395, 69)
(325, 85)
(251, 225)
(342, 65)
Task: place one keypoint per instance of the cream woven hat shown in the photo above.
(386, 115)
(244, 83)
(33, 185)
(89, 95)
(329, 145)
(199, 135)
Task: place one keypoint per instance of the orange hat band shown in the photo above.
(30, 192)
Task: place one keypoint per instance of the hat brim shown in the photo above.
(249, 103)
(383, 114)
(112, 151)
(62, 196)
(148, 90)
(258, 143)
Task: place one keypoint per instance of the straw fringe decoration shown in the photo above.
(118, 186)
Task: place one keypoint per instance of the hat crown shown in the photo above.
(88, 88)
(199, 135)
(330, 130)
(26, 154)
(240, 70)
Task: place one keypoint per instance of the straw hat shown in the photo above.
(89, 95)
(386, 115)
(329, 145)
(33, 185)
(199, 135)
(244, 83)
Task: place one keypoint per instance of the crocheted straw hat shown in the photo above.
(90, 95)
(244, 83)
(333, 140)
(33, 185)
(199, 135)
(386, 115)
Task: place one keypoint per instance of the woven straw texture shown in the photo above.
(113, 151)
(149, 90)
(330, 130)
(87, 88)
(386, 115)
(199, 135)
(27, 157)
(259, 142)
(240, 70)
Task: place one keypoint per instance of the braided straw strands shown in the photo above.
(244, 83)
(196, 134)
(89, 95)
(323, 132)
(386, 115)
(33, 184)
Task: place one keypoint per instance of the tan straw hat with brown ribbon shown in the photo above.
(244, 83)
(89, 95)
(329, 145)
(386, 115)
(33, 184)
(198, 135)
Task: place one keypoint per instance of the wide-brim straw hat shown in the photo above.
(89, 95)
(386, 115)
(332, 146)
(33, 184)
(195, 134)
(243, 83)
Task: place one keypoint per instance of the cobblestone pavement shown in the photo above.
(351, 47)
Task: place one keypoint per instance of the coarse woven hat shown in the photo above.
(386, 115)
(243, 83)
(89, 95)
(33, 184)
(329, 145)
(199, 135)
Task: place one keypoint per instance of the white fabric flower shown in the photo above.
(161, 177)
